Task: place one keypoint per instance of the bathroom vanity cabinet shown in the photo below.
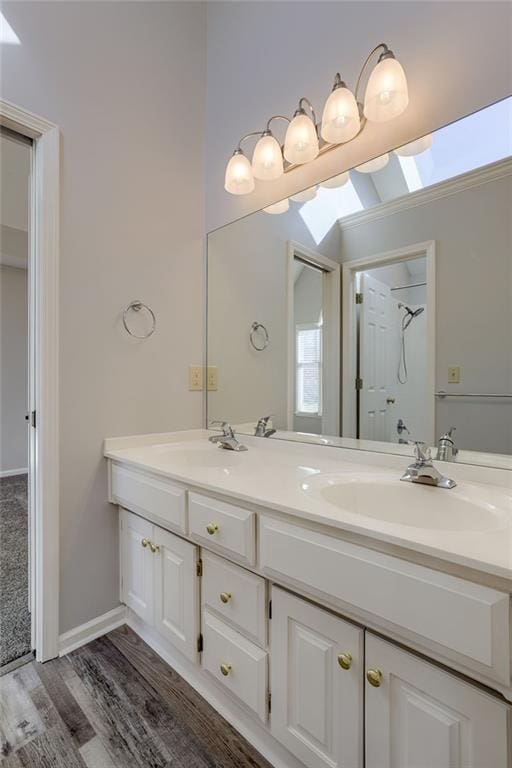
(323, 652)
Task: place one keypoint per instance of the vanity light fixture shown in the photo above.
(372, 166)
(337, 181)
(415, 147)
(344, 117)
(305, 196)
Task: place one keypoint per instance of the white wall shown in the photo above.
(13, 368)
(126, 84)
(262, 57)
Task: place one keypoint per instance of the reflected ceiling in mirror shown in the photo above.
(382, 303)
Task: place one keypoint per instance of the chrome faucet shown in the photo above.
(423, 471)
(261, 427)
(227, 440)
(446, 448)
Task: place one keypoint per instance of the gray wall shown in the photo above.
(263, 56)
(473, 235)
(126, 84)
(13, 369)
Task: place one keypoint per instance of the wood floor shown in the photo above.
(113, 704)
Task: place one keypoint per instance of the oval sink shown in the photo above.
(198, 454)
(466, 508)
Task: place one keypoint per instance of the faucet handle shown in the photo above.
(422, 451)
(226, 427)
(265, 419)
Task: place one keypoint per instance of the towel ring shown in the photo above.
(137, 306)
(256, 328)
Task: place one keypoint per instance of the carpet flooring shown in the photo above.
(14, 614)
(113, 704)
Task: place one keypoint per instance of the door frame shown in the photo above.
(331, 345)
(43, 374)
(426, 249)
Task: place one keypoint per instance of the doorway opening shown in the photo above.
(15, 479)
(389, 346)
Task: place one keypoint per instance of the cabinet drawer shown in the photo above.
(223, 527)
(149, 495)
(462, 621)
(244, 664)
(235, 594)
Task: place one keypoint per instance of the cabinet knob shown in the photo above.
(144, 542)
(212, 528)
(374, 677)
(390, 400)
(345, 660)
(154, 547)
(225, 597)
(225, 669)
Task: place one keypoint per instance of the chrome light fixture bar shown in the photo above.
(343, 119)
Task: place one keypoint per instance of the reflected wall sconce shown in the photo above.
(343, 118)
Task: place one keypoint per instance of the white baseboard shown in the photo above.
(91, 630)
(246, 724)
(9, 472)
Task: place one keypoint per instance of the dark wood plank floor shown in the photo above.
(113, 704)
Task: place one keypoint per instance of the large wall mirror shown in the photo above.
(376, 309)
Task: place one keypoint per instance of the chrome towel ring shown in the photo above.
(258, 329)
(137, 306)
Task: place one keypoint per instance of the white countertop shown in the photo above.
(274, 474)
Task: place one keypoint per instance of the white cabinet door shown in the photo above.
(137, 565)
(176, 591)
(423, 717)
(317, 705)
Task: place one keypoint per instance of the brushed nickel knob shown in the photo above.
(345, 660)
(212, 528)
(390, 400)
(144, 542)
(225, 669)
(225, 597)
(154, 547)
(374, 677)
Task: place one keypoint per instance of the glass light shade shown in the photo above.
(337, 181)
(301, 141)
(267, 159)
(239, 179)
(281, 207)
(340, 120)
(305, 195)
(386, 94)
(415, 147)
(372, 166)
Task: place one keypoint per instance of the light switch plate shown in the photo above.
(195, 378)
(454, 375)
(211, 378)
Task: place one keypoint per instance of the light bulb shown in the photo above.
(305, 195)
(239, 179)
(340, 120)
(337, 181)
(301, 141)
(267, 159)
(281, 207)
(415, 147)
(372, 166)
(386, 94)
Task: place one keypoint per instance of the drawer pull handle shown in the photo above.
(225, 669)
(225, 597)
(345, 660)
(212, 528)
(374, 677)
(154, 547)
(144, 542)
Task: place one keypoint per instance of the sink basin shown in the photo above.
(466, 508)
(198, 454)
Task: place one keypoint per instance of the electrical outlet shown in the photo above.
(211, 378)
(454, 375)
(195, 378)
